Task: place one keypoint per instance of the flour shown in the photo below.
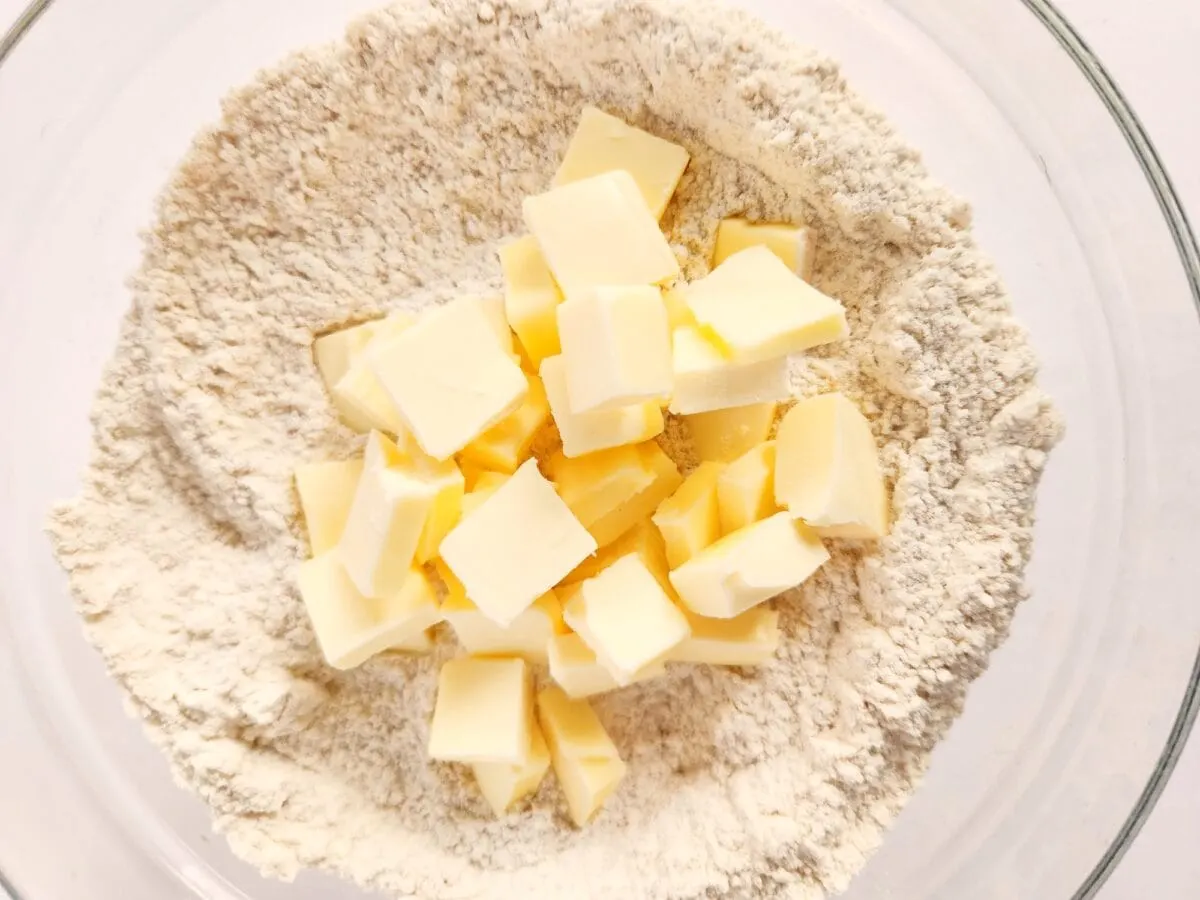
(381, 173)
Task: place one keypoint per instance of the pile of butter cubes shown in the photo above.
(596, 564)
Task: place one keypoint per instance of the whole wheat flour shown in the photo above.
(381, 172)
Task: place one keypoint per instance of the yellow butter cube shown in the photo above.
(827, 469)
(749, 566)
(575, 668)
(486, 484)
(759, 309)
(504, 785)
(591, 432)
(449, 377)
(688, 519)
(585, 760)
(599, 231)
(595, 485)
(326, 492)
(336, 352)
(351, 628)
(483, 712)
(531, 298)
(616, 346)
(357, 394)
(528, 636)
(746, 489)
(518, 544)
(791, 243)
(705, 380)
(644, 540)
(666, 480)
(748, 640)
(504, 446)
(726, 434)
(603, 143)
(444, 514)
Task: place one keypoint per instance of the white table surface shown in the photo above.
(1152, 49)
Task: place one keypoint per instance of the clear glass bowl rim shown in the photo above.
(1160, 183)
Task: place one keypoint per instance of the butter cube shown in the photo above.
(575, 668)
(792, 244)
(688, 519)
(335, 352)
(616, 347)
(599, 231)
(597, 484)
(351, 628)
(357, 394)
(705, 380)
(603, 143)
(447, 480)
(585, 759)
(749, 566)
(503, 785)
(516, 546)
(746, 489)
(387, 519)
(827, 469)
(643, 540)
(483, 712)
(485, 485)
(527, 637)
(759, 309)
(725, 434)
(748, 640)
(326, 491)
(666, 480)
(531, 298)
(449, 377)
(591, 432)
(626, 618)
(504, 446)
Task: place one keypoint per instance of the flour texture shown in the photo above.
(381, 173)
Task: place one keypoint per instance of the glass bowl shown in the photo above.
(1066, 741)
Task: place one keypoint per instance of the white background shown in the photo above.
(1151, 48)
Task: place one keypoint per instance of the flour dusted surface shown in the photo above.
(381, 173)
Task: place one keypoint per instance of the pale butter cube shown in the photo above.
(531, 298)
(666, 480)
(725, 434)
(748, 640)
(626, 618)
(688, 520)
(746, 489)
(595, 485)
(759, 309)
(827, 469)
(326, 492)
(793, 244)
(591, 432)
(483, 712)
(351, 628)
(387, 519)
(706, 380)
(357, 394)
(336, 352)
(516, 546)
(486, 484)
(616, 345)
(749, 566)
(599, 231)
(603, 143)
(527, 637)
(643, 540)
(506, 445)
(447, 480)
(575, 668)
(450, 377)
(503, 785)
(585, 759)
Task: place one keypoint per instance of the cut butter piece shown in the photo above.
(599, 231)
(506, 445)
(326, 492)
(603, 143)
(357, 394)
(449, 376)
(726, 434)
(827, 469)
(504, 785)
(749, 566)
(351, 628)
(531, 298)
(591, 432)
(585, 760)
(689, 519)
(705, 380)
(666, 480)
(575, 668)
(335, 352)
(793, 244)
(746, 489)
(759, 309)
(616, 346)
(748, 640)
(516, 546)
(483, 712)
(528, 636)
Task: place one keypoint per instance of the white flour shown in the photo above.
(382, 172)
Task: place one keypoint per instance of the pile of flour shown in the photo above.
(380, 173)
